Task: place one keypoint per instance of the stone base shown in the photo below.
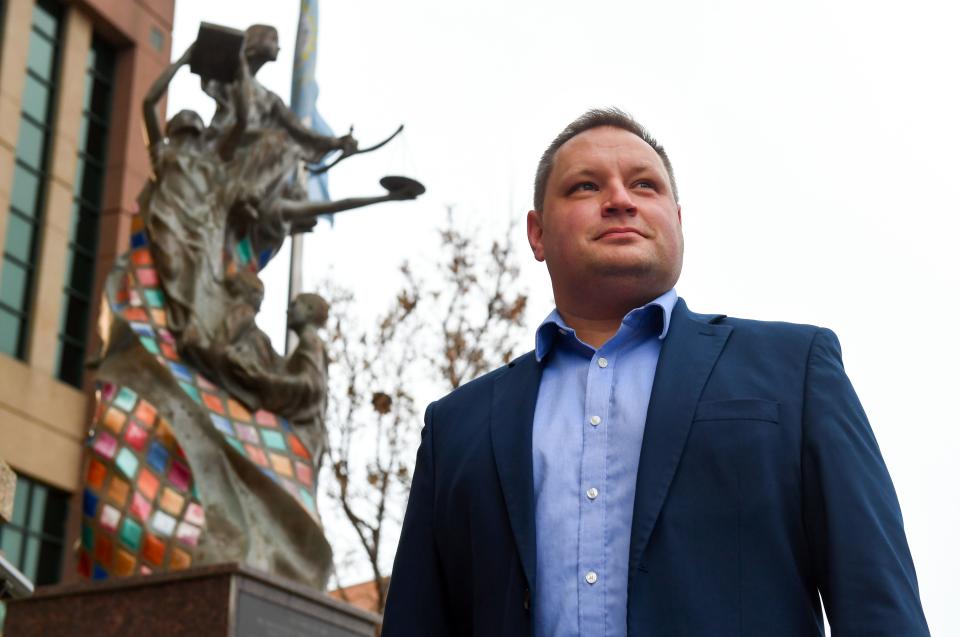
(214, 601)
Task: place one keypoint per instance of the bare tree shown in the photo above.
(436, 335)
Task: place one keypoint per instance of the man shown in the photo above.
(647, 471)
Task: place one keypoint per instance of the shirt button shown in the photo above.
(592, 493)
(602, 362)
(594, 420)
(591, 577)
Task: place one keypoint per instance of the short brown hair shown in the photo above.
(595, 118)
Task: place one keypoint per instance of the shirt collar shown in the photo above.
(554, 323)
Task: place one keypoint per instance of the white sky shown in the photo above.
(815, 146)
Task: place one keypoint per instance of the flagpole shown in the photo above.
(303, 100)
(296, 284)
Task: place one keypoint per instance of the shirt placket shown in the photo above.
(593, 572)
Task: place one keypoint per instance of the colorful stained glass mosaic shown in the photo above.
(141, 510)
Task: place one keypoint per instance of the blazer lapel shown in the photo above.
(511, 429)
(689, 354)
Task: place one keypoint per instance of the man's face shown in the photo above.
(608, 216)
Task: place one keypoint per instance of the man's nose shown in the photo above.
(618, 201)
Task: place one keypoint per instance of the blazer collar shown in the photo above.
(689, 354)
(511, 429)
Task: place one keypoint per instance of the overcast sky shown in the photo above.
(815, 146)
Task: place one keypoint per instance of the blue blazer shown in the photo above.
(760, 490)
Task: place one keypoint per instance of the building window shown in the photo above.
(78, 286)
(33, 539)
(29, 177)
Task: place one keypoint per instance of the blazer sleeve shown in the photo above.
(416, 604)
(861, 560)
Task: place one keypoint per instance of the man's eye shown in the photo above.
(643, 183)
(584, 185)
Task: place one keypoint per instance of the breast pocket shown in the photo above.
(738, 409)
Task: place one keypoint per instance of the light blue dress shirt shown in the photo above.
(587, 433)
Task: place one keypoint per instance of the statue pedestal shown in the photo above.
(225, 600)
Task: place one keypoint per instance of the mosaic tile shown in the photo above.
(171, 501)
(131, 534)
(304, 473)
(194, 514)
(105, 445)
(118, 491)
(166, 336)
(148, 484)
(86, 537)
(285, 424)
(308, 500)
(124, 564)
(103, 551)
(169, 351)
(237, 411)
(159, 317)
(274, 440)
(244, 252)
(154, 298)
(146, 413)
(282, 464)
(138, 240)
(164, 434)
(179, 475)
(265, 418)
(126, 399)
(145, 570)
(179, 560)
(99, 573)
(90, 502)
(127, 462)
(204, 383)
(114, 420)
(136, 315)
(154, 549)
(141, 257)
(233, 442)
(150, 345)
(248, 433)
(190, 391)
(140, 506)
(109, 518)
(180, 372)
(289, 487)
(214, 403)
(136, 437)
(107, 392)
(84, 565)
(188, 533)
(297, 447)
(96, 472)
(147, 277)
(157, 457)
(256, 454)
(142, 329)
(222, 424)
(162, 523)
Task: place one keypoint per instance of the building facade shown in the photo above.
(72, 162)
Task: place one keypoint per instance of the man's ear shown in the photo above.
(679, 215)
(535, 233)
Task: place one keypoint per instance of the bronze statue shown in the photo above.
(206, 442)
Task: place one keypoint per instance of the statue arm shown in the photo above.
(299, 211)
(153, 96)
(318, 144)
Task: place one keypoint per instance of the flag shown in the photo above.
(304, 92)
